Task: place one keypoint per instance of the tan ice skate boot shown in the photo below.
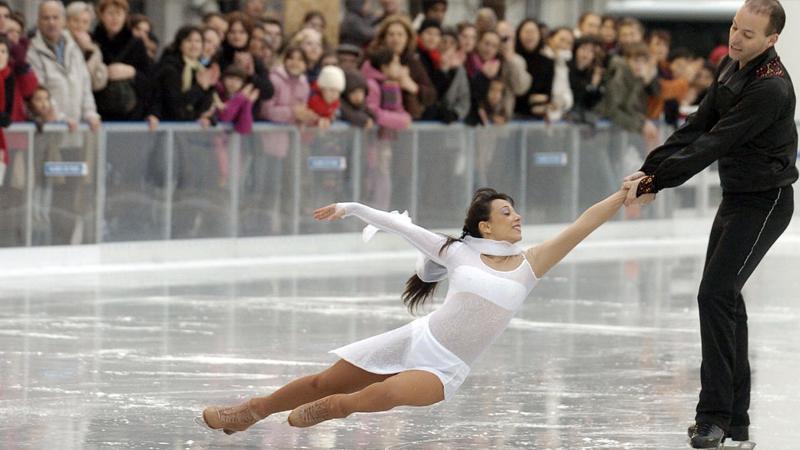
(230, 419)
(313, 413)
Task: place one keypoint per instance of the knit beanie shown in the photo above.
(331, 77)
(354, 81)
(429, 23)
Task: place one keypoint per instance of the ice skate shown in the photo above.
(312, 413)
(735, 437)
(229, 419)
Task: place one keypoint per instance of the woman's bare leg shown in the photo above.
(410, 388)
(340, 378)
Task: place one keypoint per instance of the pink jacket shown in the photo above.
(289, 92)
(395, 120)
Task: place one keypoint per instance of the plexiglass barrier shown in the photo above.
(127, 183)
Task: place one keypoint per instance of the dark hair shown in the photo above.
(772, 8)
(290, 49)
(272, 21)
(663, 35)
(136, 19)
(380, 56)
(518, 42)
(680, 52)
(4, 4)
(428, 5)
(314, 13)
(19, 18)
(181, 35)
(480, 209)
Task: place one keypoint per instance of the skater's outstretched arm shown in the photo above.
(426, 241)
(547, 254)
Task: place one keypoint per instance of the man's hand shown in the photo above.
(633, 187)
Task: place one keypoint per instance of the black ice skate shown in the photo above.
(735, 437)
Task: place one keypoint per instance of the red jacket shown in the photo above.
(24, 86)
(320, 106)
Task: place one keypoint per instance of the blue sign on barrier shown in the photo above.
(550, 159)
(65, 169)
(327, 163)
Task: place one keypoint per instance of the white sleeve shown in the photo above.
(430, 271)
(428, 242)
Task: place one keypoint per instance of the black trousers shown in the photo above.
(745, 227)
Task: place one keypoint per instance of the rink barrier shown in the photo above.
(127, 184)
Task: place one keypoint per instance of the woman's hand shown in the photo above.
(329, 213)
(120, 71)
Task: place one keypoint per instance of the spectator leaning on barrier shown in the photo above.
(16, 84)
(324, 99)
(183, 87)
(129, 66)
(60, 66)
(418, 92)
(235, 99)
(289, 105)
(80, 16)
(354, 105)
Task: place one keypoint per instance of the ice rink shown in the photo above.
(604, 355)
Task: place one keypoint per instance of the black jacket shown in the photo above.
(746, 122)
(168, 101)
(125, 48)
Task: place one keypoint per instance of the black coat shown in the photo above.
(746, 122)
(543, 72)
(168, 101)
(127, 49)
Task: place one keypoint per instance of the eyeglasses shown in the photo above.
(504, 39)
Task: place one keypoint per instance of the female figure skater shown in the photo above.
(425, 361)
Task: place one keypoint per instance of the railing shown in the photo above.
(126, 183)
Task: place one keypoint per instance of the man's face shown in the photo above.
(437, 12)
(591, 25)
(748, 35)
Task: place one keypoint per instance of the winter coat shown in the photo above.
(124, 48)
(70, 84)
(289, 92)
(392, 119)
(169, 102)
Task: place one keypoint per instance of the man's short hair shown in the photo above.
(636, 50)
(771, 8)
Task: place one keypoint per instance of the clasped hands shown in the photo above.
(631, 184)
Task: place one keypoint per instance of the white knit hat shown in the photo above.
(331, 77)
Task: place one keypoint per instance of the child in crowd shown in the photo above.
(491, 110)
(234, 100)
(324, 100)
(41, 109)
(354, 106)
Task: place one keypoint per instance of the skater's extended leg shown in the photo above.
(410, 388)
(341, 377)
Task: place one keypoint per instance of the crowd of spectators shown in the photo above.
(91, 63)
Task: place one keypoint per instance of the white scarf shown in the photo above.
(430, 271)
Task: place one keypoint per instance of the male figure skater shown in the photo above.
(746, 123)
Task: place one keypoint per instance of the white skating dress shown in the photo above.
(480, 303)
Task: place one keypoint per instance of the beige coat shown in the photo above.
(70, 84)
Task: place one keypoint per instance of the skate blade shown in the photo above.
(202, 423)
(741, 445)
